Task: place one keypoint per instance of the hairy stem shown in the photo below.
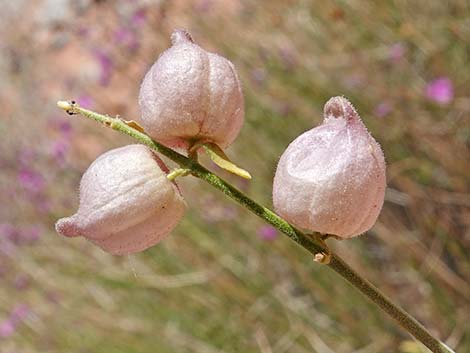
(313, 243)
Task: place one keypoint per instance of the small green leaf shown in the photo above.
(178, 172)
(220, 158)
(134, 124)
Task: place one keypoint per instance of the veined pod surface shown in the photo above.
(191, 95)
(331, 179)
(127, 204)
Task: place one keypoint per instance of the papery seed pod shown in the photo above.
(190, 94)
(331, 179)
(127, 204)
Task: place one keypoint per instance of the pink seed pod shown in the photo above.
(190, 94)
(331, 179)
(127, 204)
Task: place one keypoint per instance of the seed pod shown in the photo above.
(190, 94)
(126, 202)
(331, 179)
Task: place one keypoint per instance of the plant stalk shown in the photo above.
(312, 243)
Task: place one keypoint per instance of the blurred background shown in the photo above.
(224, 281)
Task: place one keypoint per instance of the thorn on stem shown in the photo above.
(178, 172)
(322, 258)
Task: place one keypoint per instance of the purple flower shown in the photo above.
(20, 313)
(267, 233)
(31, 234)
(126, 37)
(85, 101)
(31, 180)
(53, 297)
(26, 156)
(354, 81)
(382, 109)
(22, 282)
(83, 32)
(139, 17)
(7, 328)
(61, 125)
(203, 5)
(106, 67)
(64, 127)
(8, 231)
(8, 234)
(43, 204)
(440, 90)
(17, 316)
(258, 76)
(288, 57)
(396, 52)
(17, 235)
(59, 149)
(7, 247)
(283, 108)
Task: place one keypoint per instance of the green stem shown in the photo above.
(312, 243)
